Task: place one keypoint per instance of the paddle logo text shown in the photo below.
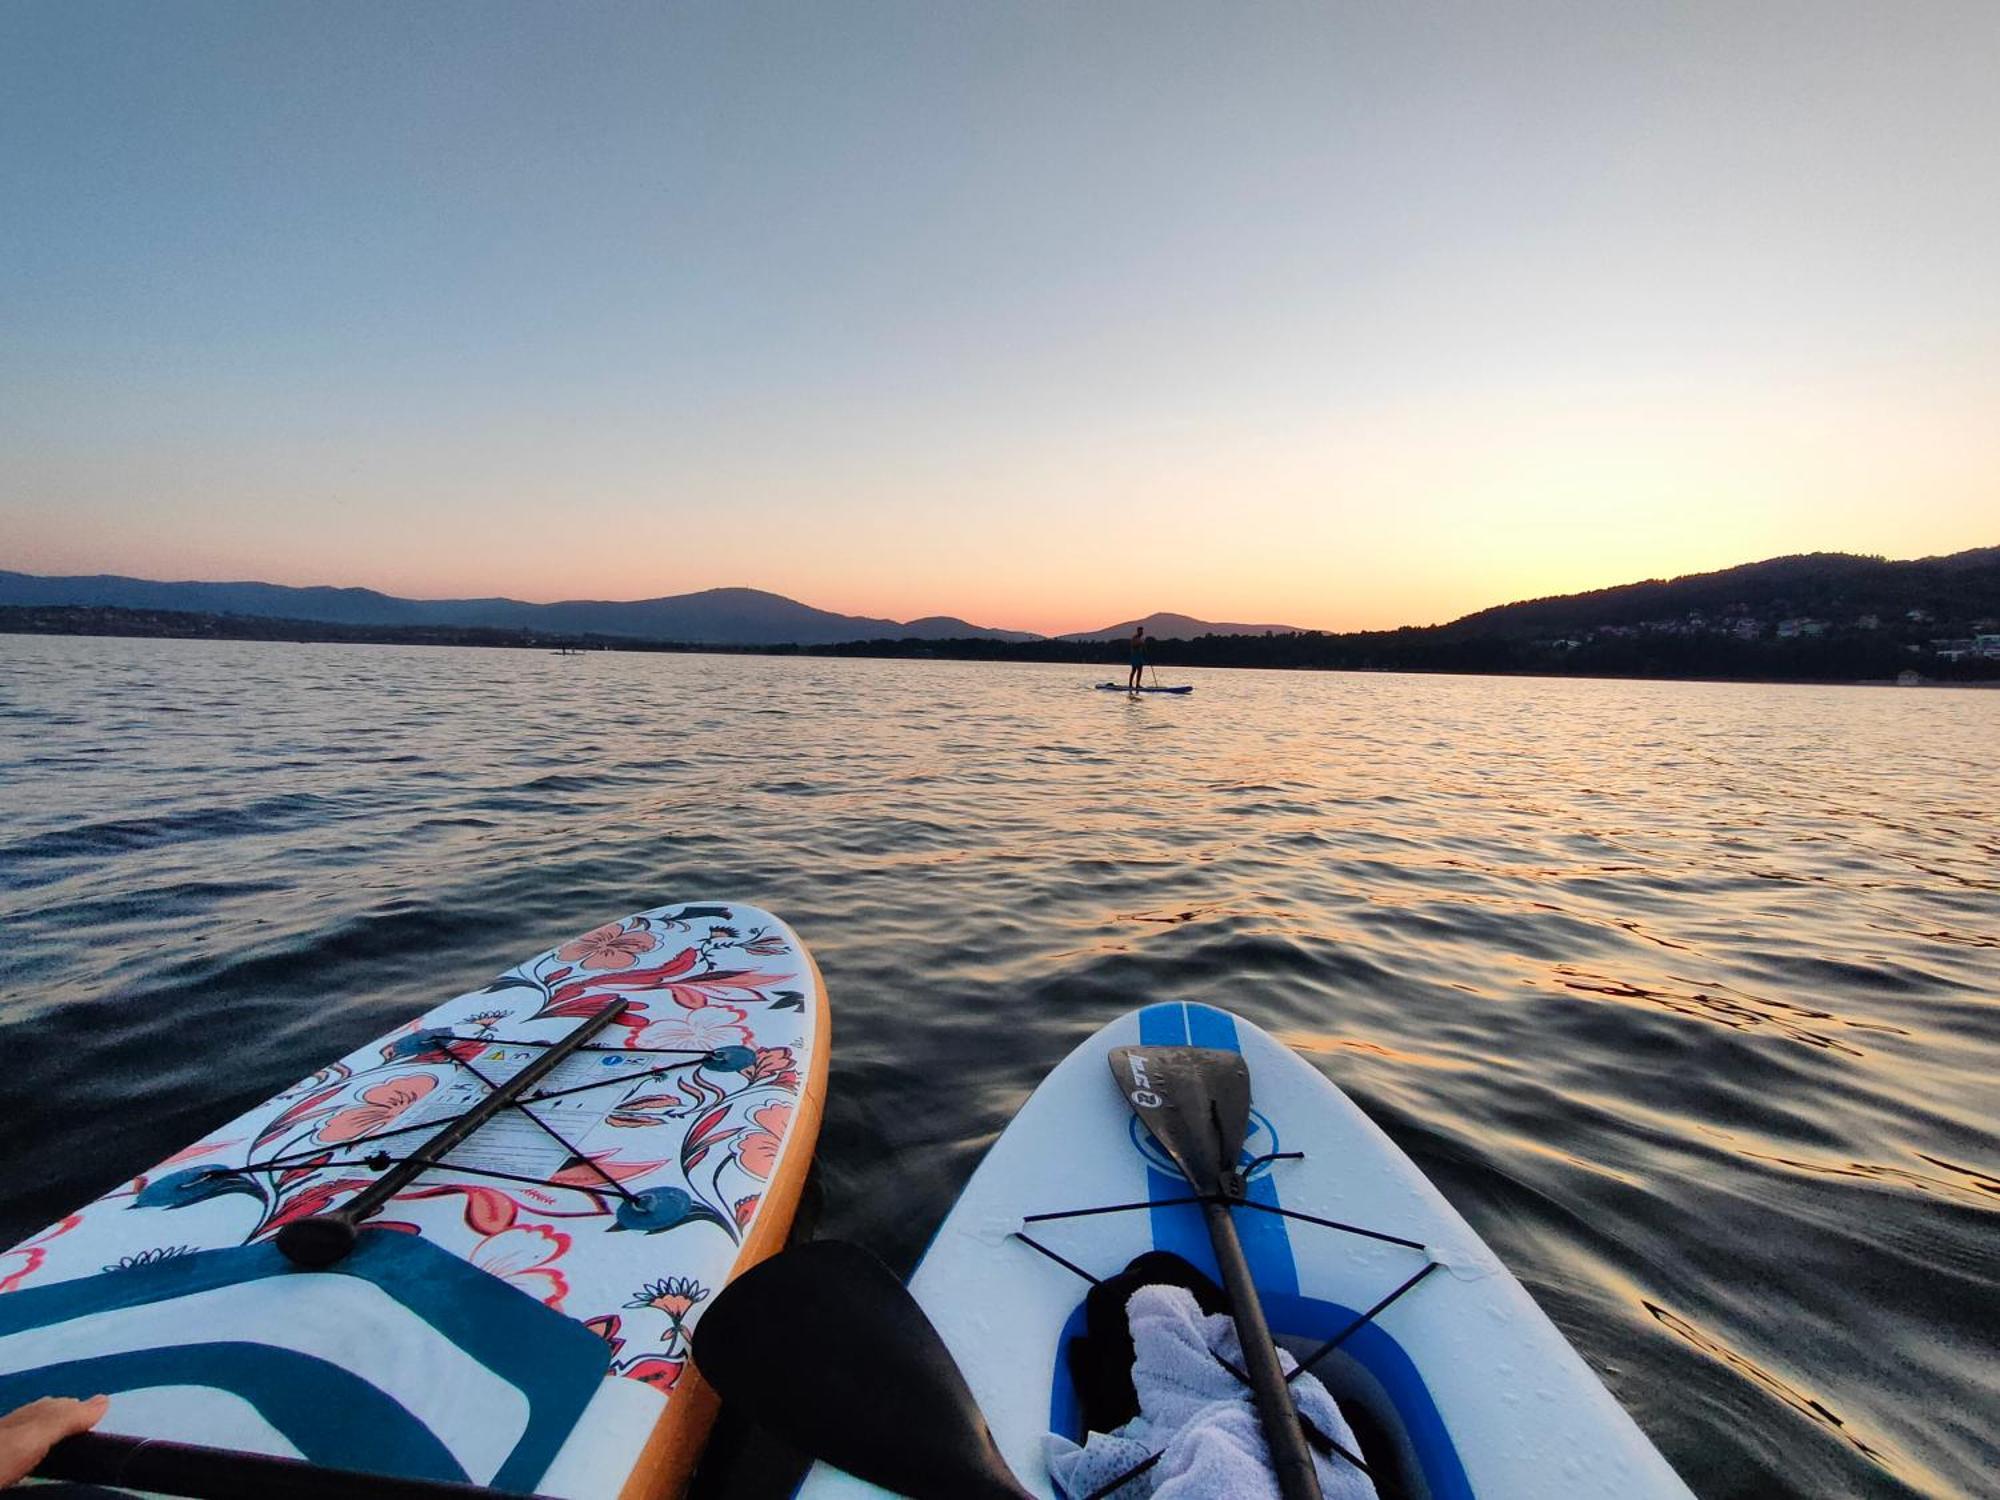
(1142, 1086)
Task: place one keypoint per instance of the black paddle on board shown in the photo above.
(1195, 1101)
(825, 1347)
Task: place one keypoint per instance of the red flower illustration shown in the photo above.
(609, 947)
(675, 1296)
(775, 1066)
(662, 1374)
(487, 1209)
(719, 985)
(522, 1256)
(18, 1264)
(757, 1152)
(701, 1030)
(583, 1175)
(585, 996)
(607, 1328)
(379, 1109)
(315, 1199)
(746, 1209)
(707, 1134)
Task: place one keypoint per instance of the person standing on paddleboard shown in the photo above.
(1133, 682)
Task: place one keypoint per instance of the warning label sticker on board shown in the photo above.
(512, 1141)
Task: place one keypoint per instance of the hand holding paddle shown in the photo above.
(28, 1432)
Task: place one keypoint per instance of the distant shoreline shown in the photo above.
(1809, 661)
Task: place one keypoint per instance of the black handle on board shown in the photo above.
(162, 1468)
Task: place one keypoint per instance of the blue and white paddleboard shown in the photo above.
(1467, 1387)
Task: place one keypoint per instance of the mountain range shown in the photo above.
(1837, 586)
(1171, 627)
(729, 616)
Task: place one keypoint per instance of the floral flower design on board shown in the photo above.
(380, 1107)
(18, 1264)
(150, 1257)
(595, 1171)
(774, 1066)
(609, 947)
(704, 1029)
(764, 943)
(660, 1373)
(607, 1328)
(699, 1136)
(758, 1151)
(316, 1199)
(716, 986)
(523, 1257)
(675, 1296)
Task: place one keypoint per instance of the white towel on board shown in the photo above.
(1198, 1417)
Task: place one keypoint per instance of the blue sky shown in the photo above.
(1343, 315)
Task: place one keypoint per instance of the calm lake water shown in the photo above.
(1687, 995)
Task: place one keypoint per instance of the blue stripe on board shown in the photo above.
(1065, 1406)
(1163, 1025)
(296, 1393)
(1209, 1027)
(1376, 1350)
(552, 1360)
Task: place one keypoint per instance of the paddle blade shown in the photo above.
(825, 1347)
(1195, 1101)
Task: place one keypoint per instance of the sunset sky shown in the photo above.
(1339, 315)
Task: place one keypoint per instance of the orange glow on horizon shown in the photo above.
(1399, 516)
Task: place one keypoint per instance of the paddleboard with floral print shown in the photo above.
(517, 1313)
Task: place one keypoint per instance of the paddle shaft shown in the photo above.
(1291, 1460)
(165, 1468)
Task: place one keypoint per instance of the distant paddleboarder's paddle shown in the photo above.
(1195, 1101)
(831, 1352)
